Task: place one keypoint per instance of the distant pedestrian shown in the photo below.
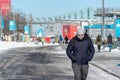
(80, 50)
(66, 40)
(43, 41)
(99, 42)
(110, 42)
(60, 39)
(53, 40)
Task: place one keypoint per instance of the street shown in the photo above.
(34, 36)
(43, 63)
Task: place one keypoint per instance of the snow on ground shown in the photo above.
(97, 74)
(102, 76)
(8, 45)
(106, 49)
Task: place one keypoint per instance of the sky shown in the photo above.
(47, 8)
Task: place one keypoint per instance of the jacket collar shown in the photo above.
(85, 37)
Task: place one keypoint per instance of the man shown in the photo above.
(66, 40)
(80, 50)
(43, 41)
(99, 42)
(110, 42)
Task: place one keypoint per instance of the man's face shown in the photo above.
(80, 36)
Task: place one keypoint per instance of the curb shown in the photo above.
(99, 66)
(104, 69)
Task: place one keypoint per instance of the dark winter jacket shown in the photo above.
(80, 51)
(110, 39)
(99, 40)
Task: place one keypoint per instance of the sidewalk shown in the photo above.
(107, 61)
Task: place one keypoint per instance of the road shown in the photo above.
(42, 63)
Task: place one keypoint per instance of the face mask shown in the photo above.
(80, 37)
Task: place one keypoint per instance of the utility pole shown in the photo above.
(75, 15)
(81, 14)
(103, 19)
(64, 17)
(88, 13)
(69, 16)
(30, 23)
(14, 25)
(1, 22)
(115, 25)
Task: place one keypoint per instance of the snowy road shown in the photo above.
(44, 63)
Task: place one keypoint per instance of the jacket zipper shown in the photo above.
(81, 51)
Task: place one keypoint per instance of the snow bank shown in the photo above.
(8, 45)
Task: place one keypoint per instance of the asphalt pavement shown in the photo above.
(44, 63)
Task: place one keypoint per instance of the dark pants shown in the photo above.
(80, 71)
(99, 46)
(110, 47)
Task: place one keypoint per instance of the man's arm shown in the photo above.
(91, 50)
(69, 50)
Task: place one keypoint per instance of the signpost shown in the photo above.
(27, 30)
(12, 27)
(96, 26)
(117, 30)
(2, 26)
(2, 23)
(40, 33)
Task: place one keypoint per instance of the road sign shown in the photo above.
(26, 29)
(40, 33)
(5, 6)
(2, 23)
(109, 26)
(12, 25)
(117, 32)
(87, 27)
(95, 26)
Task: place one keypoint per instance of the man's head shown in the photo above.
(80, 33)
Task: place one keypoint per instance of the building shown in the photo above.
(5, 6)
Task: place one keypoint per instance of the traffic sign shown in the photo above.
(40, 33)
(12, 25)
(96, 26)
(117, 32)
(26, 29)
(2, 23)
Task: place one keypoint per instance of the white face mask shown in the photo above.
(80, 36)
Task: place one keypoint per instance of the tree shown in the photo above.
(20, 22)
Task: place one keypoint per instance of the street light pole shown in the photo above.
(114, 25)
(1, 22)
(103, 19)
(14, 26)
